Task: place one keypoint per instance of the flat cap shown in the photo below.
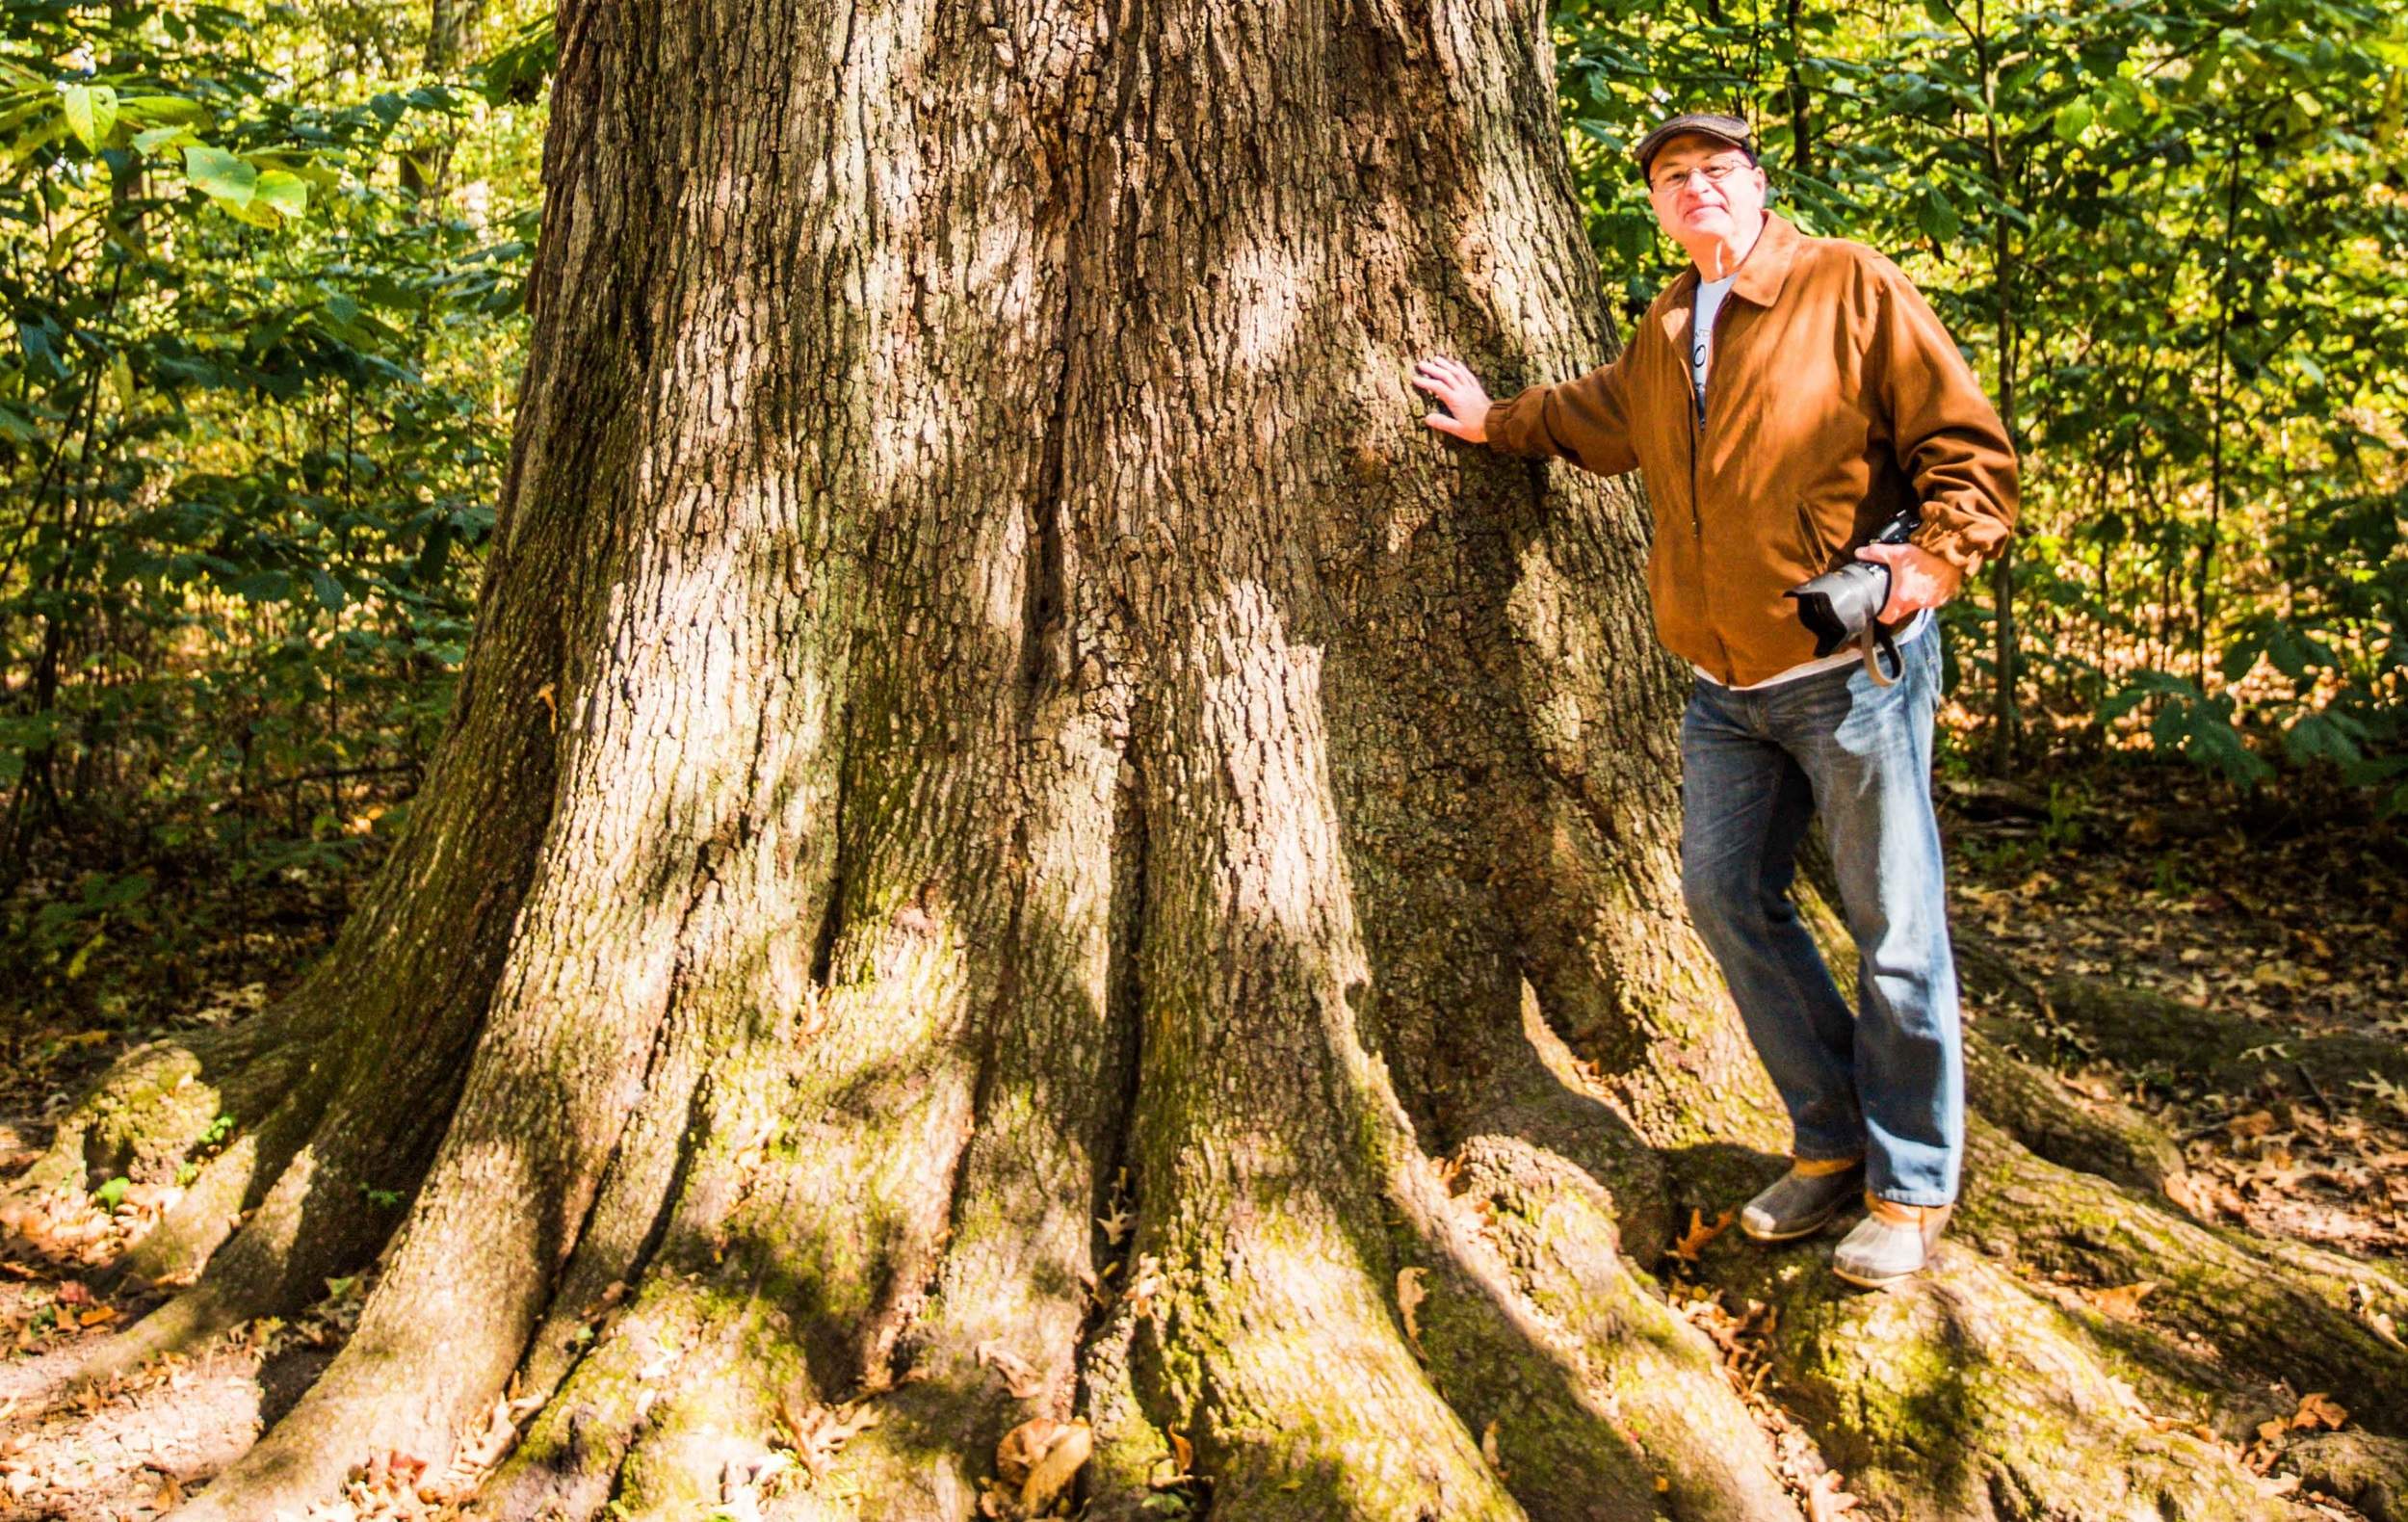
(1706, 124)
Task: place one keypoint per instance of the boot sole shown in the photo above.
(1791, 1233)
(1863, 1282)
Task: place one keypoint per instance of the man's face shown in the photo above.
(1703, 187)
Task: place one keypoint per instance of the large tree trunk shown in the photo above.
(1023, 841)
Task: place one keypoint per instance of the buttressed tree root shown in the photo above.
(1036, 900)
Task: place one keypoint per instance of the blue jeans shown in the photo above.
(1886, 1080)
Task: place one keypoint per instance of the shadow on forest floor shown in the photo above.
(2276, 913)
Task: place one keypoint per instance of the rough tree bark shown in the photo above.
(1017, 825)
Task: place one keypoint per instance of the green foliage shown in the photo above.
(2168, 236)
(265, 278)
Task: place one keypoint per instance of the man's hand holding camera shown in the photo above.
(1917, 579)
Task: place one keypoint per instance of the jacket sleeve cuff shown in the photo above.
(1518, 426)
(1962, 544)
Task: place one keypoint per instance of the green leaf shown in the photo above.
(219, 174)
(2329, 737)
(2072, 116)
(112, 1192)
(255, 213)
(330, 591)
(163, 108)
(264, 587)
(92, 114)
(288, 193)
(1936, 215)
(150, 140)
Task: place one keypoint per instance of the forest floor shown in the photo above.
(2290, 912)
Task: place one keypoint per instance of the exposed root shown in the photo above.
(2277, 1308)
(154, 1108)
(1958, 1395)
(2369, 1473)
(1245, 1339)
(2140, 1030)
(2101, 1136)
(1654, 1374)
(1133, 1461)
(1532, 1089)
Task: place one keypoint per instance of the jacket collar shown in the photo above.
(1767, 266)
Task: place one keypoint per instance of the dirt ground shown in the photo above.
(2290, 912)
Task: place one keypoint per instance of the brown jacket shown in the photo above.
(1835, 399)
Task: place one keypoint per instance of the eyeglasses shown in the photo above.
(1715, 174)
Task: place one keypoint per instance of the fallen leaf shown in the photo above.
(1700, 1232)
(2122, 1303)
(1020, 1377)
(1143, 1286)
(1488, 1447)
(1038, 1456)
(1409, 1297)
(97, 1316)
(2319, 1410)
(1052, 1474)
(1116, 1225)
(1182, 1451)
(818, 1433)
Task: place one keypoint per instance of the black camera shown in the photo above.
(1845, 605)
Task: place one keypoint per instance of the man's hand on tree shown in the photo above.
(1917, 579)
(1460, 391)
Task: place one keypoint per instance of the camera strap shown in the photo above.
(1875, 640)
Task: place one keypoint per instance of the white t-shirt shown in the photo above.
(1701, 332)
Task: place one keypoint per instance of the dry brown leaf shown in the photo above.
(2319, 1410)
(2122, 1302)
(1144, 1285)
(1116, 1225)
(1022, 1457)
(818, 1433)
(1051, 1476)
(1409, 1297)
(1700, 1232)
(1020, 1377)
(1182, 1451)
(1488, 1447)
(97, 1316)
(1021, 1447)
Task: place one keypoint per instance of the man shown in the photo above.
(1783, 399)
